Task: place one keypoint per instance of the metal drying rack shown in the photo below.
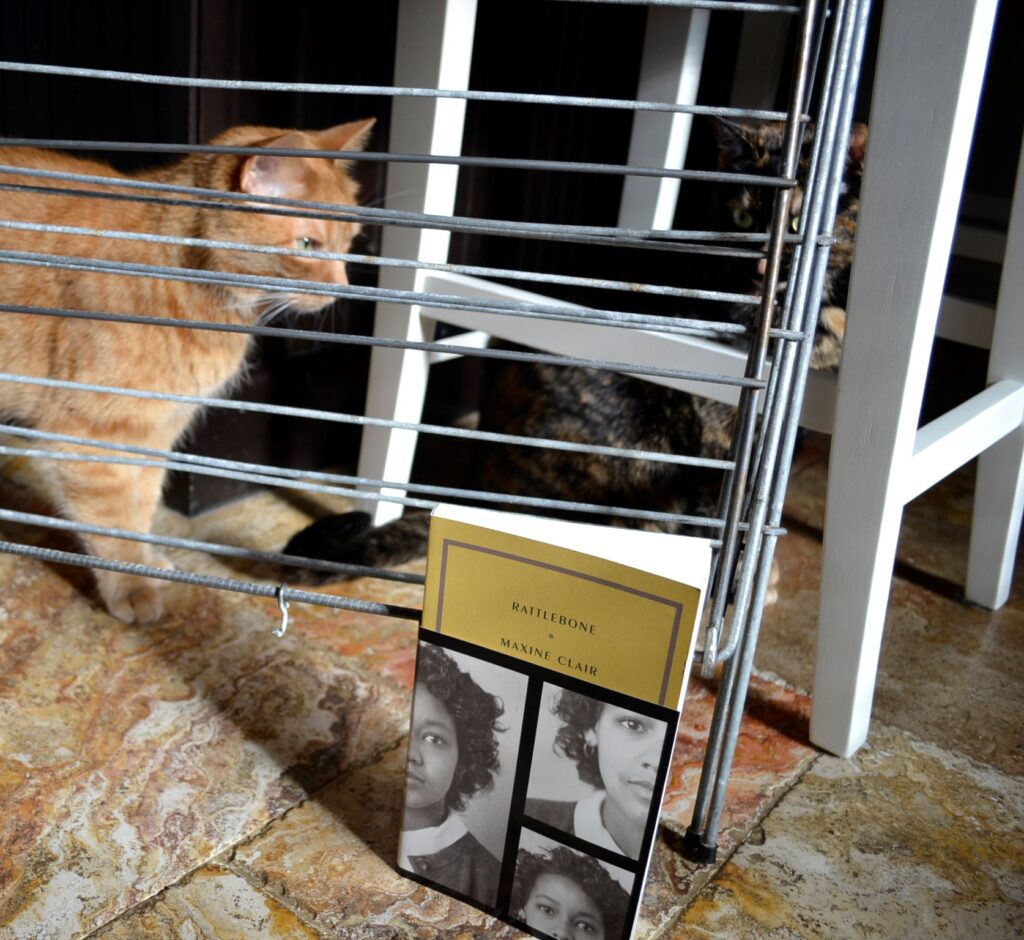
(766, 381)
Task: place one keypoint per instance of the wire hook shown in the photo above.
(282, 604)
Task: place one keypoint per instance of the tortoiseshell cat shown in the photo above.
(182, 361)
(758, 150)
(594, 407)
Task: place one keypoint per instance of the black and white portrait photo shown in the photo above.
(463, 741)
(568, 895)
(594, 770)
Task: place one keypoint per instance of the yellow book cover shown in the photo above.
(552, 661)
(571, 609)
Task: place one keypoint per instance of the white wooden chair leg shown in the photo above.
(670, 68)
(995, 529)
(433, 49)
(999, 488)
(927, 83)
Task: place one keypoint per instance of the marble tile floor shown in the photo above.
(202, 779)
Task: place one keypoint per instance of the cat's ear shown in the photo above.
(268, 175)
(733, 142)
(351, 136)
(858, 143)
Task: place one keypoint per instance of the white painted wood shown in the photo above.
(434, 47)
(642, 347)
(474, 339)
(586, 340)
(948, 442)
(966, 321)
(995, 528)
(999, 488)
(819, 405)
(927, 82)
(670, 68)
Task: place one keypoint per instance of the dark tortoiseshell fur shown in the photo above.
(758, 150)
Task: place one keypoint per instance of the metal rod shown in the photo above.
(223, 200)
(820, 213)
(338, 417)
(525, 309)
(796, 299)
(633, 287)
(354, 339)
(371, 156)
(739, 672)
(802, 297)
(210, 548)
(700, 836)
(741, 6)
(203, 580)
(344, 485)
(535, 230)
(851, 29)
(747, 415)
(619, 104)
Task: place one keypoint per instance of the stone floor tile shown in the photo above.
(771, 754)
(129, 756)
(954, 675)
(212, 903)
(265, 521)
(771, 750)
(905, 839)
(951, 672)
(334, 858)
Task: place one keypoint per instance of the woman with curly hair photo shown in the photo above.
(453, 756)
(567, 896)
(616, 752)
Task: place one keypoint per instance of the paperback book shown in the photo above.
(550, 672)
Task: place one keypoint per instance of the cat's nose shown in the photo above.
(762, 266)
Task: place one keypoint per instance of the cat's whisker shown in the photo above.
(273, 305)
(277, 305)
(287, 315)
(245, 305)
(385, 196)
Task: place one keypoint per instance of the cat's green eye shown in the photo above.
(305, 243)
(794, 223)
(741, 218)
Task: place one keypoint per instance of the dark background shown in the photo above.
(529, 46)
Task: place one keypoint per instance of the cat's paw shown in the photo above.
(329, 537)
(142, 604)
(133, 599)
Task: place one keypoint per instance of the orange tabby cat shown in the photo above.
(183, 361)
